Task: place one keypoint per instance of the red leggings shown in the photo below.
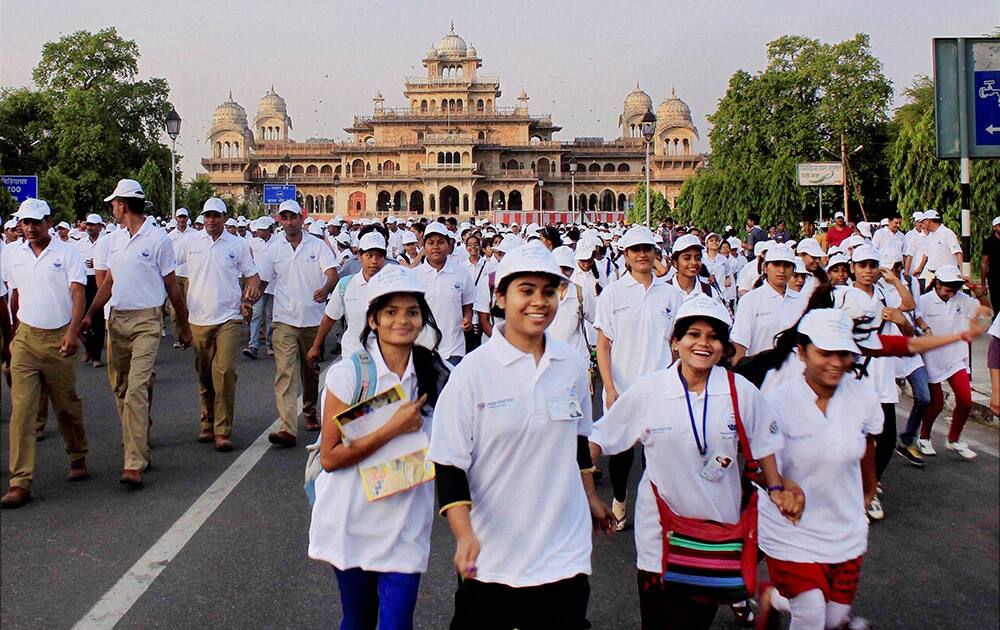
(960, 385)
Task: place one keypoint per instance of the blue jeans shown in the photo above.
(921, 398)
(261, 310)
(382, 600)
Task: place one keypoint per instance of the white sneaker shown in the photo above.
(962, 449)
(926, 447)
(618, 509)
(874, 509)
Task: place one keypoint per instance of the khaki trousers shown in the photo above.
(36, 364)
(291, 367)
(133, 340)
(215, 349)
(182, 286)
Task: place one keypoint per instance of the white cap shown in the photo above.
(344, 238)
(851, 241)
(700, 305)
(290, 205)
(800, 266)
(242, 222)
(585, 249)
(948, 274)
(829, 329)
(811, 247)
(762, 246)
(407, 238)
(371, 240)
(711, 234)
(315, 228)
(865, 229)
(309, 221)
(94, 219)
(230, 222)
(199, 219)
(391, 220)
(392, 279)
(32, 208)
(637, 235)
(836, 259)
(884, 221)
(687, 241)
(839, 215)
(888, 257)
(996, 221)
(338, 219)
(110, 227)
(510, 243)
(182, 212)
(780, 253)
(864, 252)
(62, 226)
(918, 216)
(10, 224)
(564, 256)
(823, 225)
(932, 214)
(859, 306)
(834, 249)
(214, 204)
(127, 188)
(531, 258)
(735, 242)
(171, 224)
(437, 228)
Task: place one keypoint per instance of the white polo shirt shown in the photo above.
(86, 249)
(214, 271)
(881, 374)
(508, 423)
(941, 247)
(886, 240)
(43, 282)
(822, 453)
(296, 275)
(389, 535)
(912, 243)
(448, 291)
(946, 318)
(638, 322)
(762, 314)
(585, 279)
(654, 413)
(138, 265)
(575, 318)
(353, 304)
(176, 237)
(607, 270)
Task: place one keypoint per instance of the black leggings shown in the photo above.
(885, 442)
(619, 467)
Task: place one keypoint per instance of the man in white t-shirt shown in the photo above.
(182, 231)
(450, 294)
(890, 236)
(93, 340)
(941, 246)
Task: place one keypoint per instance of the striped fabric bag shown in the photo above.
(708, 560)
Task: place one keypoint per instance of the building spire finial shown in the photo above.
(231, 96)
(673, 92)
(637, 85)
(453, 27)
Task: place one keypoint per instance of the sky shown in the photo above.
(577, 60)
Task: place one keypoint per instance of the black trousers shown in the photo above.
(661, 610)
(885, 442)
(93, 341)
(558, 605)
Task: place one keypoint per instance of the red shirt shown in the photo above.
(836, 235)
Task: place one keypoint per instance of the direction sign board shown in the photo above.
(967, 97)
(820, 173)
(278, 193)
(21, 186)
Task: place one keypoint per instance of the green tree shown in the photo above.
(157, 192)
(659, 207)
(197, 193)
(60, 193)
(809, 94)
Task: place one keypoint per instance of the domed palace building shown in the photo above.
(453, 149)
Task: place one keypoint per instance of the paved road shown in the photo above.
(933, 562)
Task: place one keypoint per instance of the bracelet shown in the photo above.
(778, 487)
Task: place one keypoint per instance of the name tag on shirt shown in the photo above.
(715, 468)
(565, 408)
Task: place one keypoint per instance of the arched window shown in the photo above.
(420, 136)
(225, 150)
(312, 170)
(423, 105)
(480, 106)
(594, 168)
(623, 168)
(297, 169)
(326, 170)
(482, 134)
(456, 158)
(459, 105)
(218, 149)
(687, 147)
(609, 168)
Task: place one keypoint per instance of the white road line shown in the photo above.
(110, 609)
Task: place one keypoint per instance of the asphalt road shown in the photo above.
(932, 563)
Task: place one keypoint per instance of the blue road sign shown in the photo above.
(21, 186)
(987, 95)
(277, 193)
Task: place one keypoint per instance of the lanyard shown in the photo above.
(702, 447)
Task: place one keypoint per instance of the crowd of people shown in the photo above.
(525, 355)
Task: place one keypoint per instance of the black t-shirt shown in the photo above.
(991, 248)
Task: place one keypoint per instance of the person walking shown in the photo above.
(93, 340)
(46, 277)
(177, 236)
(449, 292)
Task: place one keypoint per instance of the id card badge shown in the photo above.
(715, 467)
(565, 408)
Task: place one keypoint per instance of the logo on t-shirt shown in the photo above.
(57, 265)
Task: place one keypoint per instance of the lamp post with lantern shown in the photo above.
(648, 130)
(572, 188)
(173, 130)
(541, 183)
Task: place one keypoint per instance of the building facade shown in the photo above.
(451, 149)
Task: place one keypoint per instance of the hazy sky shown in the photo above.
(577, 60)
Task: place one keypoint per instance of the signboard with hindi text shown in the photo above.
(21, 187)
(820, 173)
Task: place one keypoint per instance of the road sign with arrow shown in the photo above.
(967, 97)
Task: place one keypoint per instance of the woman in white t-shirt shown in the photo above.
(828, 421)
(378, 549)
(509, 447)
(574, 322)
(946, 310)
(691, 464)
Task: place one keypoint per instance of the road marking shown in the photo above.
(110, 609)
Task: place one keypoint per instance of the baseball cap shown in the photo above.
(996, 221)
(688, 241)
(127, 188)
(918, 216)
(700, 305)
(62, 226)
(10, 224)
(857, 304)
(407, 238)
(530, 258)
(811, 247)
(509, 244)
(94, 219)
(864, 252)
(735, 242)
(392, 279)
(242, 221)
(182, 212)
(762, 246)
(199, 219)
(839, 215)
(800, 266)
(829, 329)
(585, 249)
(31, 208)
(371, 240)
(437, 228)
(564, 256)
(316, 229)
(932, 214)
(780, 253)
(290, 205)
(230, 222)
(637, 235)
(948, 274)
(214, 204)
(851, 241)
(865, 229)
(344, 238)
(836, 259)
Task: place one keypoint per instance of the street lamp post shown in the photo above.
(572, 188)
(648, 130)
(173, 130)
(540, 184)
(336, 184)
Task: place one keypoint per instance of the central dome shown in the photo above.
(638, 101)
(272, 104)
(451, 44)
(229, 113)
(673, 111)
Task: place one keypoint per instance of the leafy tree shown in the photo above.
(659, 207)
(60, 193)
(157, 192)
(197, 193)
(809, 94)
